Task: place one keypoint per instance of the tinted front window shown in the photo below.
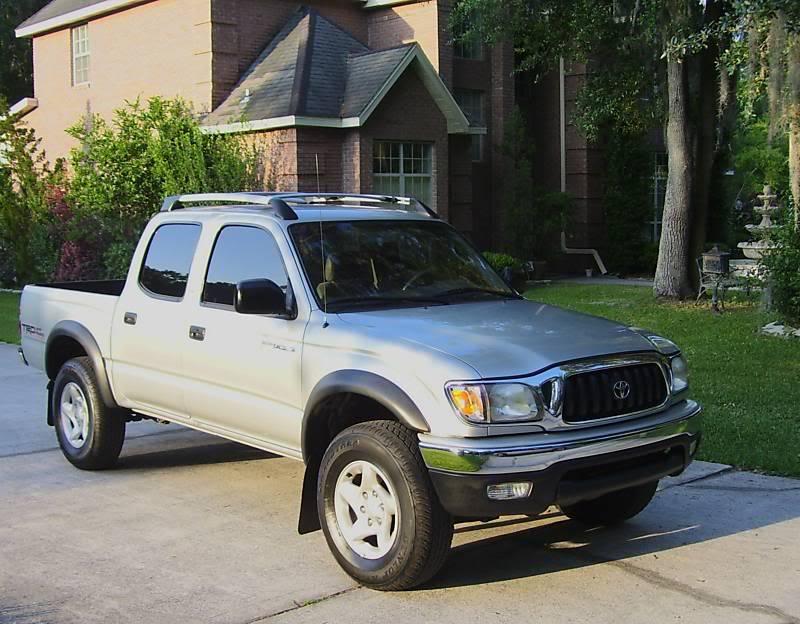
(392, 263)
(165, 270)
(241, 253)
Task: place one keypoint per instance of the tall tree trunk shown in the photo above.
(707, 96)
(794, 123)
(672, 271)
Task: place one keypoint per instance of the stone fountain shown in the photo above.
(754, 250)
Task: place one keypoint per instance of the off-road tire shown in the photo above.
(612, 508)
(106, 431)
(425, 528)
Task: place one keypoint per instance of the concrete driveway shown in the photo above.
(190, 528)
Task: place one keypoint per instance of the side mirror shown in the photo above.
(260, 296)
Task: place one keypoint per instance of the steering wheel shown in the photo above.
(414, 278)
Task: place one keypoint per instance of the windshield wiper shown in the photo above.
(350, 302)
(474, 290)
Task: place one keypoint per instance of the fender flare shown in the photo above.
(81, 335)
(367, 384)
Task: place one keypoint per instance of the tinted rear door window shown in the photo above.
(165, 269)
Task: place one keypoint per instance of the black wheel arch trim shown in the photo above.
(367, 384)
(80, 334)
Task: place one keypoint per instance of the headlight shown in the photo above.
(680, 374)
(495, 403)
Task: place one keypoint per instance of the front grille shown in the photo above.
(591, 395)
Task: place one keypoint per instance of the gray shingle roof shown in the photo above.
(55, 9)
(311, 68)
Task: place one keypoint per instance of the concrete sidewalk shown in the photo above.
(191, 528)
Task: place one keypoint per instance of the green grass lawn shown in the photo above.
(748, 384)
(9, 317)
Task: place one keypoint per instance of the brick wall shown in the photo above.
(408, 113)
(174, 59)
(417, 21)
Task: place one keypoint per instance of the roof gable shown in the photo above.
(315, 73)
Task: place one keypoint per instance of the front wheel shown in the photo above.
(89, 433)
(612, 508)
(378, 510)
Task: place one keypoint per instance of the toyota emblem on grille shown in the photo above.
(622, 389)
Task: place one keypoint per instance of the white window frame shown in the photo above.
(403, 176)
(80, 51)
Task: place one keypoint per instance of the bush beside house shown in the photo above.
(81, 219)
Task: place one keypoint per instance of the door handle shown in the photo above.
(130, 318)
(197, 333)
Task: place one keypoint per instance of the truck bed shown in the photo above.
(98, 287)
(90, 304)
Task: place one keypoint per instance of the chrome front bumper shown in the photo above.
(500, 455)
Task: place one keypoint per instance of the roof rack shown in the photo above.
(279, 202)
(269, 200)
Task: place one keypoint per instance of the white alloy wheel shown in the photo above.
(74, 412)
(366, 509)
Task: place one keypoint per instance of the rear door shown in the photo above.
(243, 371)
(149, 327)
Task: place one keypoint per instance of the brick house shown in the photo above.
(353, 95)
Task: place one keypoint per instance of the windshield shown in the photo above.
(392, 264)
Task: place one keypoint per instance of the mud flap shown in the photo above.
(309, 515)
(50, 403)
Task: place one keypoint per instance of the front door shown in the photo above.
(243, 371)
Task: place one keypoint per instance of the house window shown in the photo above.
(470, 47)
(80, 54)
(478, 141)
(658, 191)
(471, 102)
(404, 169)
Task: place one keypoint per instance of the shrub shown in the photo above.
(124, 168)
(500, 261)
(784, 266)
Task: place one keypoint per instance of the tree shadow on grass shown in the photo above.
(715, 508)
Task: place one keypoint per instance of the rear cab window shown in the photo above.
(165, 269)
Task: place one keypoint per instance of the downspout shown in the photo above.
(562, 107)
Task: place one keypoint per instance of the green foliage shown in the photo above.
(500, 261)
(25, 177)
(784, 266)
(533, 219)
(626, 204)
(124, 168)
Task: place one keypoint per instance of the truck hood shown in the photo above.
(503, 338)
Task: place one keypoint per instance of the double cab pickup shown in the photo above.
(367, 338)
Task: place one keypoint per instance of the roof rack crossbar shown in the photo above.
(279, 203)
(269, 200)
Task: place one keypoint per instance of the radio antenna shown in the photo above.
(322, 253)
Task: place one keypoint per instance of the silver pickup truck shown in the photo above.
(365, 337)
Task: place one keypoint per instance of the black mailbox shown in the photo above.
(716, 261)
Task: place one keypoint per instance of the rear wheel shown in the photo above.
(613, 508)
(89, 433)
(378, 510)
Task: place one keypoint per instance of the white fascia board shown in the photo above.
(81, 15)
(23, 107)
(275, 123)
(377, 4)
(456, 120)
